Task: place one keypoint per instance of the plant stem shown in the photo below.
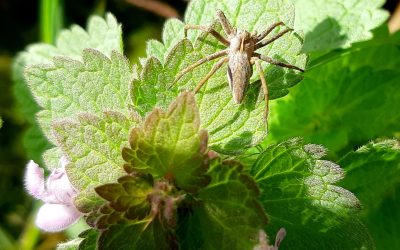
(31, 233)
(51, 19)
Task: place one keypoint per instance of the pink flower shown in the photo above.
(57, 193)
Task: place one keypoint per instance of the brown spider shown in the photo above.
(241, 55)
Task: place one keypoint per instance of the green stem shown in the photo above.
(51, 19)
(31, 233)
(100, 8)
(6, 241)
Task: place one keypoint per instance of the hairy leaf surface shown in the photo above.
(127, 200)
(68, 87)
(104, 35)
(143, 234)
(346, 101)
(93, 147)
(170, 145)
(373, 175)
(232, 127)
(89, 239)
(299, 194)
(228, 215)
(334, 24)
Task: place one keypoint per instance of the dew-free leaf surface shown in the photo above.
(93, 147)
(104, 35)
(68, 87)
(372, 173)
(228, 215)
(299, 194)
(334, 24)
(232, 127)
(170, 144)
(345, 102)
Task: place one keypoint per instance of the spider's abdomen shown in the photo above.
(239, 73)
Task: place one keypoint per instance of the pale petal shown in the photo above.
(34, 180)
(59, 187)
(56, 217)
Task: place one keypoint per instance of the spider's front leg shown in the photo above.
(198, 63)
(266, 32)
(207, 29)
(264, 43)
(226, 25)
(212, 72)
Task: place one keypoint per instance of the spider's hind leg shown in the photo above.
(256, 61)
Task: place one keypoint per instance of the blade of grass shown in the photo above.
(51, 19)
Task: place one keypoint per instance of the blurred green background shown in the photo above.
(26, 22)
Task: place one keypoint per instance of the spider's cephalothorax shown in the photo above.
(240, 54)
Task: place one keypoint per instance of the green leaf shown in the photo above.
(232, 127)
(344, 102)
(155, 49)
(299, 194)
(170, 144)
(51, 157)
(141, 206)
(69, 245)
(93, 146)
(25, 103)
(383, 222)
(68, 87)
(127, 200)
(327, 25)
(375, 166)
(86, 241)
(102, 34)
(337, 23)
(373, 175)
(144, 234)
(172, 33)
(228, 214)
(89, 241)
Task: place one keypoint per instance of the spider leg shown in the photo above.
(212, 72)
(278, 63)
(210, 30)
(226, 25)
(261, 44)
(264, 86)
(198, 63)
(265, 33)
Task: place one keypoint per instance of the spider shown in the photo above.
(240, 55)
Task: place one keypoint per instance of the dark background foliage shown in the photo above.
(19, 26)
